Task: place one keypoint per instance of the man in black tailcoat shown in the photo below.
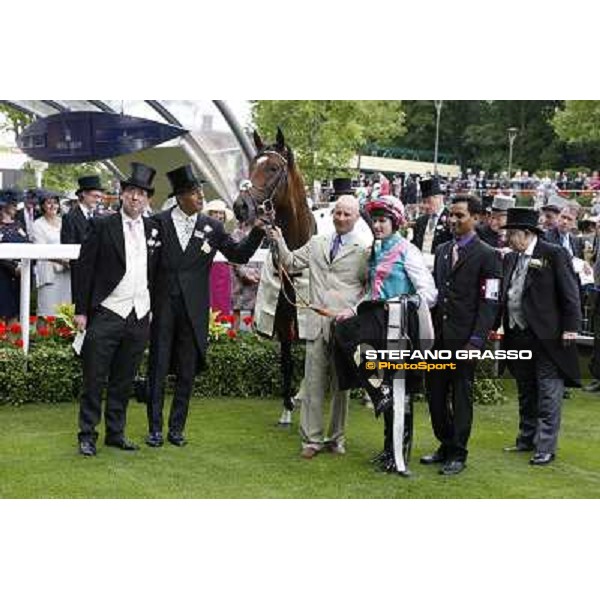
(75, 224)
(541, 313)
(180, 299)
(467, 274)
(112, 306)
(432, 228)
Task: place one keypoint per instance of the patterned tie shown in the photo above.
(455, 255)
(337, 242)
(431, 223)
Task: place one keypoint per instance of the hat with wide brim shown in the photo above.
(218, 206)
(141, 177)
(183, 179)
(87, 183)
(525, 219)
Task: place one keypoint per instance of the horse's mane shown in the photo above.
(294, 215)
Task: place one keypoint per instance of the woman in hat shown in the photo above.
(11, 232)
(220, 273)
(53, 278)
(396, 269)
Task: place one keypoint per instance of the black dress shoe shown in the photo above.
(121, 444)
(592, 387)
(391, 468)
(381, 458)
(87, 448)
(177, 439)
(519, 448)
(453, 467)
(432, 459)
(155, 440)
(541, 459)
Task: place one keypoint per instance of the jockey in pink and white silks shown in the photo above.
(393, 315)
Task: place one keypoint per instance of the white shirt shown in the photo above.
(87, 212)
(132, 291)
(184, 226)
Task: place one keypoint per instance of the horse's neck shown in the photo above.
(294, 216)
(296, 222)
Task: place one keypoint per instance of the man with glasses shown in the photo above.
(180, 298)
(112, 306)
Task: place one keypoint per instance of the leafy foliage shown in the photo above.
(237, 366)
(325, 134)
(579, 121)
(473, 133)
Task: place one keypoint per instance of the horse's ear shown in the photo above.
(280, 140)
(257, 141)
(290, 157)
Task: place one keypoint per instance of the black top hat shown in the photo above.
(183, 180)
(523, 218)
(10, 196)
(486, 203)
(141, 177)
(342, 186)
(88, 183)
(430, 187)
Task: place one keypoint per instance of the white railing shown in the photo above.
(28, 252)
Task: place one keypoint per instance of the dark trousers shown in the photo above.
(450, 398)
(172, 344)
(112, 352)
(595, 361)
(540, 388)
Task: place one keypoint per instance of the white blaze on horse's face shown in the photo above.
(262, 159)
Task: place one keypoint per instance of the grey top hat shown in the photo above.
(555, 203)
(502, 203)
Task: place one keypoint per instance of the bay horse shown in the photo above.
(275, 192)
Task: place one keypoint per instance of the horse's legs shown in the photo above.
(287, 373)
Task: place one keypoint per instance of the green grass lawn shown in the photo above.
(236, 451)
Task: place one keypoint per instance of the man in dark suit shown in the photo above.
(562, 234)
(467, 275)
(541, 313)
(112, 305)
(432, 228)
(75, 223)
(180, 298)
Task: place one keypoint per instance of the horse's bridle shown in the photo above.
(266, 211)
(264, 204)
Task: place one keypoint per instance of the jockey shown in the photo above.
(394, 311)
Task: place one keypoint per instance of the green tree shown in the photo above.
(474, 132)
(325, 134)
(578, 121)
(16, 120)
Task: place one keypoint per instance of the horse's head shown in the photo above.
(264, 192)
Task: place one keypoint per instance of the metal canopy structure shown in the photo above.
(216, 143)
